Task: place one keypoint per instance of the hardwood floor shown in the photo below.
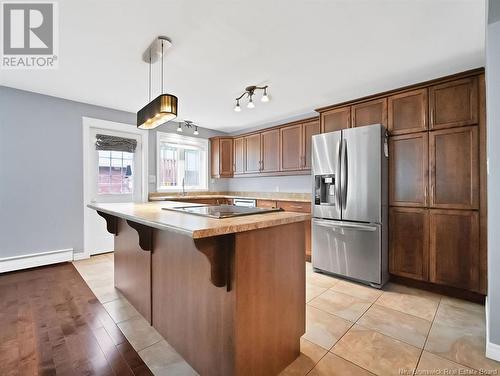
(52, 324)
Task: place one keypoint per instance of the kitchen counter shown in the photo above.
(151, 214)
(227, 294)
(275, 196)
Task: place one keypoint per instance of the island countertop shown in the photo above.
(151, 214)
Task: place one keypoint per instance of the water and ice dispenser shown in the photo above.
(324, 192)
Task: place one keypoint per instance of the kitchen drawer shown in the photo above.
(302, 207)
(266, 204)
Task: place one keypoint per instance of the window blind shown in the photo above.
(114, 143)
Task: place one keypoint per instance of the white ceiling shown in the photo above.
(310, 53)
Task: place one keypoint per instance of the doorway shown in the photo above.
(110, 175)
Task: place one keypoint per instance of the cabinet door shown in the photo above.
(367, 113)
(294, 206)
(226, 157)
(266, 204)
(252, 153)
(454, 248)
(454, 104)
(409, 243)
(291, 147)
(270, 150)
(309, 129)
(239, 155)
(408, 170)
(214, 157)
(335, 120)
(454, 175)
(407, 112)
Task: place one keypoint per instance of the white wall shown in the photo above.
(493, 136)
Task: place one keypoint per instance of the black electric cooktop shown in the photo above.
(221, 211)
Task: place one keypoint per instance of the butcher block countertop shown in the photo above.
(151, 214)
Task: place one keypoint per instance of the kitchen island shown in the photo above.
(227, 294)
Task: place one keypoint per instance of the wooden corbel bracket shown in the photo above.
(145, 235)
(111, 222)
(219, 251)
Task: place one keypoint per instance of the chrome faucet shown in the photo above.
(183, 189)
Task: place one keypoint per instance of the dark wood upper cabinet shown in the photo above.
(291, 146)
(252, 153)
(371, 112)
(409, 243)
(214, 157)
(454, 168)
(221, 157)
(336, 119)
(453, 250)
(239, 156)
(270, 151)
(454, 104)
(309, 129)
(226, 157)
(408, 170)
(407, 112)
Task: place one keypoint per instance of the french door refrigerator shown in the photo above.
(349, 201)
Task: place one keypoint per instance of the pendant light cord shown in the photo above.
(149, 75)
(161, 67)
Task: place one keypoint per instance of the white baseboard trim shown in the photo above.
(81, 256)
(492, 349)
(8, 264)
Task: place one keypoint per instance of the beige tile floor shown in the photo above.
(350, 329)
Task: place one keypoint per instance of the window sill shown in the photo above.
(177, 190)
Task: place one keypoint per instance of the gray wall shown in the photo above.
(41, 168)
(41, 190)
(298, 184)
(493, 131)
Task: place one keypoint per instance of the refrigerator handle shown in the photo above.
(345, 175)
(338, 179)
(344, 225)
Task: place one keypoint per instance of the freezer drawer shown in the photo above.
(350, 249)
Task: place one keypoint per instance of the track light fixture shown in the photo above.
(188, 124)
(250, 92)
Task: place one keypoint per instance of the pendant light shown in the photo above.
(164, 107)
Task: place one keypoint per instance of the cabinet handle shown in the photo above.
(433, 193)
(425, 195)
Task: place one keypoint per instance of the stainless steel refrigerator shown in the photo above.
(349, 201)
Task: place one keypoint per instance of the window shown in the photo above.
(181, 159)
(115, 172)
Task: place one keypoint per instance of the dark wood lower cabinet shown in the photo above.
(437, 246)
(454, 248)
(301, 207)
(409, 243)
